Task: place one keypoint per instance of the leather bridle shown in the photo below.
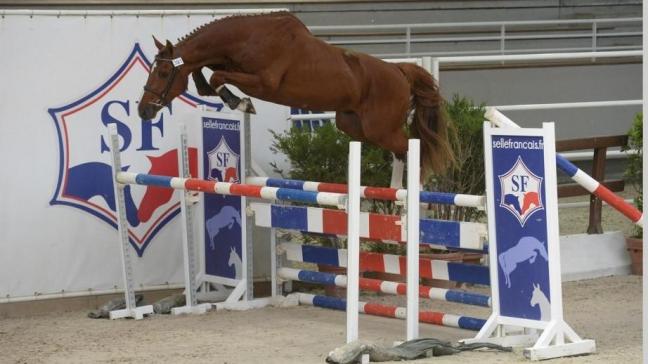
(161, 96)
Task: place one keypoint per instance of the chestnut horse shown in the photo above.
(274, 57)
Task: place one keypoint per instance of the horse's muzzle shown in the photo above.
(147, 111)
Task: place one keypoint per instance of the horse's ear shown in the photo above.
(168, 45)
(158, 44)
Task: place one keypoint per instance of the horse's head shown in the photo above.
(168, 79)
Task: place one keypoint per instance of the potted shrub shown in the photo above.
(633, 174)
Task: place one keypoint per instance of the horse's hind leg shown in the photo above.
(398, 169)
(349, 123)
(385, 129)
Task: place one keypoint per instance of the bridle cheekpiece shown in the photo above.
(161, 97)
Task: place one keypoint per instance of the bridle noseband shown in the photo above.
(161, 97)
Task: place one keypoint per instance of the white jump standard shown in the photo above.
(525, 264)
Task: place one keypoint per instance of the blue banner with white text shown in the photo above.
(521, 220)
(223, 228)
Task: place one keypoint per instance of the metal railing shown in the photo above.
(501, 36)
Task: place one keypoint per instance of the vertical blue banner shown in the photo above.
(223, 228)
(521, 220)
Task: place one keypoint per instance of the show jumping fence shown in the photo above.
(557, 338)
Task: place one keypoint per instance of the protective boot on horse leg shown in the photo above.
(234, 102)
(218, 80)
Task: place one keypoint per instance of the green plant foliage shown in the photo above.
(467, 174)
(634, 168)
(322, 154)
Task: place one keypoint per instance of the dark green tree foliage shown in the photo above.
(634, 168)
(322, 155)
(467, 174)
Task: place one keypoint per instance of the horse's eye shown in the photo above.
(163, 74)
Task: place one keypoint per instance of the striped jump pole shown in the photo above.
(576, 174)
(387, 263)
(226, 188)
(438, 233)
(387, 287)
(430, 317)
(377, 193)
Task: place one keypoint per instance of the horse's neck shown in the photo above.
(208, 47)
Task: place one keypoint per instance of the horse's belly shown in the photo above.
(313, 84)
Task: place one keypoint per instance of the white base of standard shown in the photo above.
(557, 339)
(137, 313)
(198, 309)
(256, 303)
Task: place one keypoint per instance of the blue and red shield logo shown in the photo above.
(223, 163)
(147, 146)
(521, 191)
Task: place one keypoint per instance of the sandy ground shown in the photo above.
(606, 309)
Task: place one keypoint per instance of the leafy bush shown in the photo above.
(634, 168)
(322, 155)
(467, 174)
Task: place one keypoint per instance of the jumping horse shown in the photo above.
(274, 57)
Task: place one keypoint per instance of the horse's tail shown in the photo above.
(430, 123)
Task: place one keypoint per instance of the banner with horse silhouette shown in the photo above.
(224, 229)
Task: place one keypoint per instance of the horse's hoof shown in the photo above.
(234, 103)
(246, 106)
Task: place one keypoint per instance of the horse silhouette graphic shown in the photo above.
(225, 218)
(538, 298)
(527, 249)
(235, 260)
(95, 179)
(164, 165)
(531, 200)
(513, 201)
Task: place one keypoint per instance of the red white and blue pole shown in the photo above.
(580, 177)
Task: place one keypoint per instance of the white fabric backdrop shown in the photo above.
(48, 62)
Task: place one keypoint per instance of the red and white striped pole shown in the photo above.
(580, 177)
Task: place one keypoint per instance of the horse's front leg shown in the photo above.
(202, 86)
(218, 80)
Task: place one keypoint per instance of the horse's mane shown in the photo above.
(200, 28)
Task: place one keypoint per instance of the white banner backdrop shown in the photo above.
(64, 79)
